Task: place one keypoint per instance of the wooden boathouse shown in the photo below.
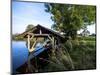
(39, 32)
(39, 57)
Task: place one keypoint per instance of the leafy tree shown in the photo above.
(30, 26)
(70, 18)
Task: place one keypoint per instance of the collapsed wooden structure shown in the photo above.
(36, 33)
(42, 32)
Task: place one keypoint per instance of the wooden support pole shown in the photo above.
(50, 38)
(53, 42)
(33, 46)
(28, 39)
(40, 31)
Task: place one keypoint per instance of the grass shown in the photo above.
(84, 54)
(90, 38)
(80, 56)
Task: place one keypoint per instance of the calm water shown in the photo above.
(19, 54)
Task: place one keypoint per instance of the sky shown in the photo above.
(90, 28)
(25, 13)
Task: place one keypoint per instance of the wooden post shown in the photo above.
(50, 38)
(40, 31)
(33, 46)
(53, 41)
(28, 42)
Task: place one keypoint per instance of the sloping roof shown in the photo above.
(44, 30)
(86, 31)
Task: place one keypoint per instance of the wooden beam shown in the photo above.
(32, 36)
(50, 38)
(37, 35)
(33, 46)
(29, 39)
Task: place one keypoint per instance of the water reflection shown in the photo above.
(19, 54)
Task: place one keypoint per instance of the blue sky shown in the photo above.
(24, 13)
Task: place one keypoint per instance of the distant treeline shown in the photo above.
(17, 37)
(89, 38)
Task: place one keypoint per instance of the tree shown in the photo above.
(70, 18)
(30, 26)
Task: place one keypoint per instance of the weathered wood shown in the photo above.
(28, 39)
(49, 37)
(40, 31)
(33, 46)
(40, 35)
(53, 43)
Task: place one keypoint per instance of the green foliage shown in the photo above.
(84, 56)
(30, 26)
(70, 18)
(91, 38)
(17, 37)
(61, 61)
(81, 57)
(20, 37)
(76, 54)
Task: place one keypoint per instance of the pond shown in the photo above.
(19, 54)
